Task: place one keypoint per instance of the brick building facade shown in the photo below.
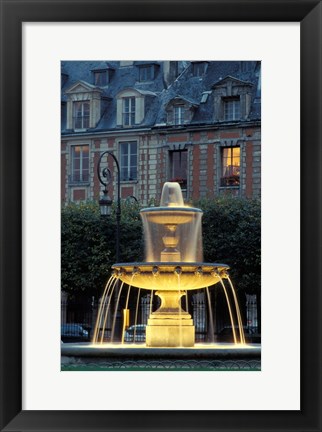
(198, 123)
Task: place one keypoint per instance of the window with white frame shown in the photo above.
(80, 164)
(179, 115)
(129, 111)
(230, 166)
(128, 160)
(232, 108)
(81, 114)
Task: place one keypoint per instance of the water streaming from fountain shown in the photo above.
(115, 311)
(103, 310)
(136, 314)
(104, 296)
(211, 318)
(239, 318)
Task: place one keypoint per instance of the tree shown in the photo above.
(88, 246)
(231, 235)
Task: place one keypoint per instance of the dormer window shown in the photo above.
(146, 73)
(199, 68)
(102, 74)
(83, 106)
(128, 111)
(232, 99)
(130, 106)
(180, 111)
(179, 115)
(101, 78)
(232, 108)
(81, 115)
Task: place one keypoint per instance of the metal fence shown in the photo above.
(211, 320)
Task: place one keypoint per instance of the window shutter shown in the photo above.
(139, 110)
(119, 106)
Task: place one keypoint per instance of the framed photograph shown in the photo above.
(45, 42)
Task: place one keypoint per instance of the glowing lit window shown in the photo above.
(80, 164)
(230, 166)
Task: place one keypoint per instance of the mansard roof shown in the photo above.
(102, 66)
(187, 86)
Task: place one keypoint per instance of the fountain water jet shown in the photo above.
(173, 266)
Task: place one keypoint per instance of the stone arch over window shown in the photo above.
(130, 107)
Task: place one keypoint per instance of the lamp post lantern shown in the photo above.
(104, 176)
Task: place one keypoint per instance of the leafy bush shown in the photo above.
(231, 235)
(88, 244)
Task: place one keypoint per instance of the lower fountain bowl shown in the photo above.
(170, 276)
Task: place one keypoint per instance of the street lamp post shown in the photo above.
(104, 176)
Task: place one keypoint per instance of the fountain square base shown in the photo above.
(170, 336)
(170, 330)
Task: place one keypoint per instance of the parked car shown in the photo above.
(138, 330)
(226, 335)
(73, 332)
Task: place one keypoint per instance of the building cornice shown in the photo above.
(162, 129)
(98, 134)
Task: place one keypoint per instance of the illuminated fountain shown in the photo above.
(174, 265)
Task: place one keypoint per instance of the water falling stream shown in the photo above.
(180, 310)
(230, 310)
(103, 310)
(239, 318)
(115, 311)
(136, 313)
(211, 317)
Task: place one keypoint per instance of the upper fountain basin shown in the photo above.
(170, 215)
(170, 276)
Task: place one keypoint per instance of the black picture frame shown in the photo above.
(13, 14)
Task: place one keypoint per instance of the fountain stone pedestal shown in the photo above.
(170, 325)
